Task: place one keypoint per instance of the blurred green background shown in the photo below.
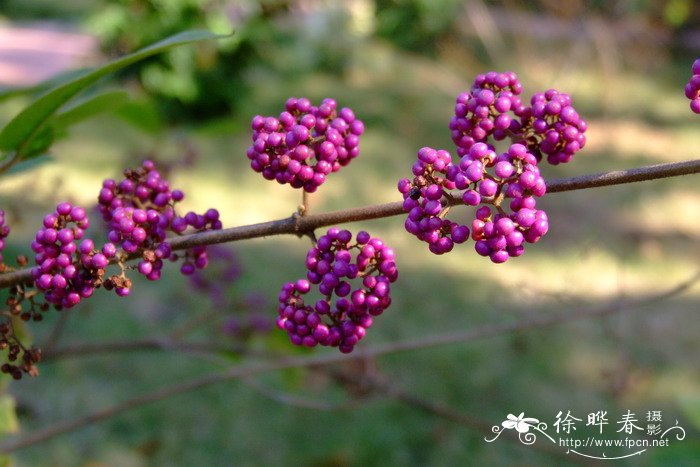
(399, 65)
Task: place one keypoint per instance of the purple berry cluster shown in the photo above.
(140, 212)
(553, 127)
(426, 201)
(4, 232)
(482, 177)
(488, 110)
(692, 89)
(305, 144)
(66, 271)
(515, 176)
(331, 265)
(493, 109)
(196, 257)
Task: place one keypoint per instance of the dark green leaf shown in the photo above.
(39, 144)
(93, 105)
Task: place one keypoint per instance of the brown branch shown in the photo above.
(300, 225)
(619, 177)
(305, 225)
(248, 370)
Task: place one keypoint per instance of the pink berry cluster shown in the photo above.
(692, 89)
(140, 212)
(332, 265)
(492, 111)
(4, 232)
(305, 144)
(65, 271)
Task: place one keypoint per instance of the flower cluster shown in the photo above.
(305, 144)
(332, 268)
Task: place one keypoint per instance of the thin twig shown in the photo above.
(304, 203)
(57, 330)
(304, 225)
(295, 401)
(449, 413)
(248, 370)
(194, 322)
(89, 349)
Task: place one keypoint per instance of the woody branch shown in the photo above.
(304, 225)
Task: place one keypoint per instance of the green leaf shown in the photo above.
(21, 128)
(61, 78)
(39, 144)
(89, 107)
